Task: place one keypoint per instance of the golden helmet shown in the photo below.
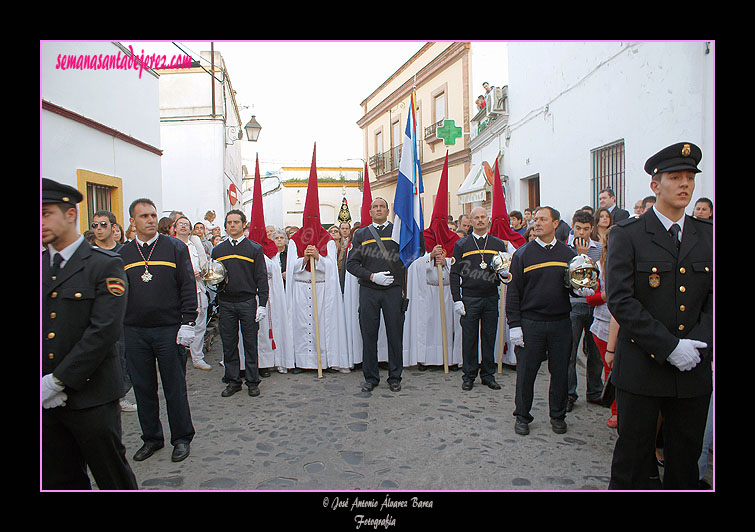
(501, 264)
(582, 272)
(213, 273)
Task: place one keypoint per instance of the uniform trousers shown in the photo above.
(683, 429)
(479, 321)
(75, 439)
(371, 302)
(581, 320)
(148, 348)
(235, 315)
(543, 340)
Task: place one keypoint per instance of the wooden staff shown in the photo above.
(317, 318)
(442, 318)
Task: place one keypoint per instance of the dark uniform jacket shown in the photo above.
(365, 257)
(82, 315)
(466, 277)
(659, 295)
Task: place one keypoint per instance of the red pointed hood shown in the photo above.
(312, 232)
(499, 225)
(438, 231)
(257, 228)
(365, 218)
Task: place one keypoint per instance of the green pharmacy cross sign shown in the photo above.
(449, 132)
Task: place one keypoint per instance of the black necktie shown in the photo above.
(56, 260)
(548, 246)
(380, 227)
(234, 242)
(674, 232)
(145, 247)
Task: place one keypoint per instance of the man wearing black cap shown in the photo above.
(83, 303)
(659, 285)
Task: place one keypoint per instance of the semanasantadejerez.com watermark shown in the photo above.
(121, 61)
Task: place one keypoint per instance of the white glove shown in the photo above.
(382, 278)
(185, 335)
(584, 292)
(459, 308)
(516, 336)
(685, 355)
(261, 314)
(52, 394)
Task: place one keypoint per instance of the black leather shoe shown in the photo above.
(254, 390)
(521, 428)
(395, 387)
(230, 390)
(493, 385)
(264, 372)
(558, 426)
(146, 451)
(570, 404)
(180, 452)
(421, 367)
(368, 386)
(466, 385)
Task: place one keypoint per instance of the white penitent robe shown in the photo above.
(332, 325)
(277, 320)
(353, 331)
(423, 342)
(281, 355)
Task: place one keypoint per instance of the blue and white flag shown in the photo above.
(407, 221)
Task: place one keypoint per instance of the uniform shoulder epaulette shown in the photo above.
(703, 220)
(106, 251)
(627, 221)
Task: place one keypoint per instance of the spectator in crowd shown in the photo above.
(199, 232)
(291, 229)
(464, 223)
(130, 233)
(216, 239)
(607, 199)
(335, 234)
(165, 226)
(602, 222)
(480, 102)
(604, 328)
(528, 216)
(209, 222)
(103, 223)
(517, 222)
(118, 233)
(488, 87)
(89, 236)
(196, 252)
(703, 209)
(638, 207)
(582, 318)
(281, 242)
(647, 202)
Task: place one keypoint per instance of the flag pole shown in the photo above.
(443, 318)
(316, 316)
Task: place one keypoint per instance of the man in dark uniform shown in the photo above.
(379, 288)
(659, 286)
(474, 288)
(83, 303)
(158, 326)
(244, 261)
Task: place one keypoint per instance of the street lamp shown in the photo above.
(253, 129)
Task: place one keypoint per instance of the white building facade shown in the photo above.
(99, 127)
(584, 115)
(201, 133)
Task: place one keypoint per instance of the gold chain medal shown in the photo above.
(146, 276)
(483, 264)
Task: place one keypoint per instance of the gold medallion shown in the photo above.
(654, 280)
(686, 150)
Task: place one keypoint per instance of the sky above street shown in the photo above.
(301, 92)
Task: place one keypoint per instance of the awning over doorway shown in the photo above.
(476, 185)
